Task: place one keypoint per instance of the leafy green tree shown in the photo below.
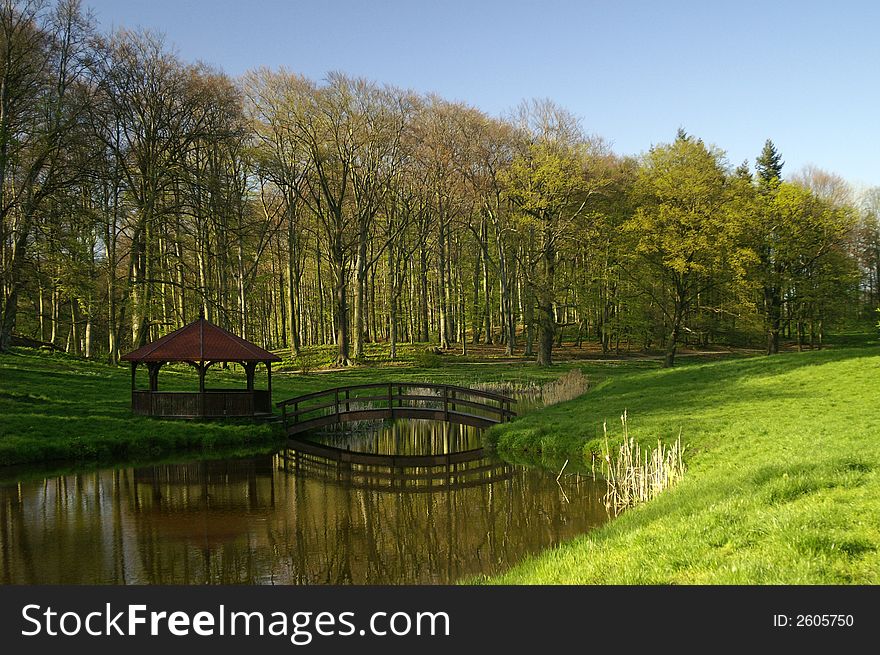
(550, 182)
(683, 234)
(43, 97)
(817, 272)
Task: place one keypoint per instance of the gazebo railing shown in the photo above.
(212, 403)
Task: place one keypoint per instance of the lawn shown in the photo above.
(782, 453)
(782, 485)
(56, 408)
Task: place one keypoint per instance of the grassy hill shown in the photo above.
(782, 484)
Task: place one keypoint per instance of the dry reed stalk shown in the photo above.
(566, 387)
(635, 476)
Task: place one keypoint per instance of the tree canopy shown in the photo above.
(137, 189)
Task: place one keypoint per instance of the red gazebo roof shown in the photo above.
(201, 341)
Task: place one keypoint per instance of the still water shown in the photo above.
(296, 516)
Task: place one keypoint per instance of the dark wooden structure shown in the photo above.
(201, 344)
(391, 400)
(409, 473)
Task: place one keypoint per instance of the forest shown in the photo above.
(138, 190)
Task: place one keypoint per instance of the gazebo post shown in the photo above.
(153, 368)
(269, 371)
(249, 369)
(202, 369)
(134, 366)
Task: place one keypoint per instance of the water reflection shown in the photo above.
(282, 519)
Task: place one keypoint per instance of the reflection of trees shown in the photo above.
(392, 537)
(260, 520)
(60, 528)
(406, 437)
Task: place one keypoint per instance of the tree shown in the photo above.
(867, 247)
(682, 234)
(275, 104)
(489, 147)
(161, 107)
(817, 272)
(550, 182)
(43, 96)
(769, 166)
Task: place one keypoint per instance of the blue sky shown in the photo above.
(804, 74)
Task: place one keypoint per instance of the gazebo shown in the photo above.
(201, 344)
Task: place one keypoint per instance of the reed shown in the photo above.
(518, 389)
(566, 387)
(635, 475)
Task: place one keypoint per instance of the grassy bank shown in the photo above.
(783, 453)
(59, 408)
(782, 485)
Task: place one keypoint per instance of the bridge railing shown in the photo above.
(443, 401)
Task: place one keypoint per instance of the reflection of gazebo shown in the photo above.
(205, 503)
(201, 344)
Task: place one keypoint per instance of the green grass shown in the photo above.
(782, 485)
(55, 408)
(783, 453)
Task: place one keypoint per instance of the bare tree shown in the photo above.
(43, 57)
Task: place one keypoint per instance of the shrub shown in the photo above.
(428, 359)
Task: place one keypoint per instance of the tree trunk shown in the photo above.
(7, 318)
(507, 314)
(672, 341)
(529, 321)
(441, 286)
(360, 297)
(476, 316)
(340, 305)
(546, 311)
(546, 325)
(292, 279)
(341, 312)
(423, 293)
(487, 287)
(319, 280)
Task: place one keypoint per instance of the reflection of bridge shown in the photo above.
(409, 473)
(391, 400)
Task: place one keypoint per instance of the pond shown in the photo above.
(298, 516)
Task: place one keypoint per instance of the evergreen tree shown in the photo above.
(769, 165)
(743, 172)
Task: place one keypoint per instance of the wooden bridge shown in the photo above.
(391, 400)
